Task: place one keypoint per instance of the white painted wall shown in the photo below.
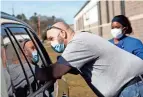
(89, 13)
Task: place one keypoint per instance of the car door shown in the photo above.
(3, 91)
(18, 65)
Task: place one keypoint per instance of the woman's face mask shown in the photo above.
(116, 33)
(118, 30)
(35, 56)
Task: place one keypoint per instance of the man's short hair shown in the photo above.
(24, 42)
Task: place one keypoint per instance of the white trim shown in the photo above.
(136, 17)
(8, 21)
(18, 37)
(132, 18)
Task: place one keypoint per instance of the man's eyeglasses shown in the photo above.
(53, 27)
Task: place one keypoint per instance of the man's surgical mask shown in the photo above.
(58, 47)
(35, 57)
(116, 33)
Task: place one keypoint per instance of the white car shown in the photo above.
(13, 31)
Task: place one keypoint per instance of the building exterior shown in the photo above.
(72, 26)
(96, 16)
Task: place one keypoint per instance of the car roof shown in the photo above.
(7, 21)
(7, 18)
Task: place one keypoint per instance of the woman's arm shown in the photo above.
(138, 51)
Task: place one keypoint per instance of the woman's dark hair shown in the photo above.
(124, 21)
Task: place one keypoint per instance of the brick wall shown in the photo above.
(117, 8)
(133, 9)
(111, 11)
(103, 12)
(137, 28)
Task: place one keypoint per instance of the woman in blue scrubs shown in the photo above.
(121, 28)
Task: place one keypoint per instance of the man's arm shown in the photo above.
(52, 72)
(76, 54)
(138, 49)
(60, 69)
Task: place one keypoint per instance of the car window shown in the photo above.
(18, 30)
(23, 54)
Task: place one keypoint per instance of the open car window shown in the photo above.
(23, 53)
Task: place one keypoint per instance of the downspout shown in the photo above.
(107, 11)
(122, 6)
(99, 18)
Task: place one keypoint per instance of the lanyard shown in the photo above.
(141, 77)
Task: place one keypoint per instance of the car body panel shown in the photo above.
(8, 23)
(3, 91)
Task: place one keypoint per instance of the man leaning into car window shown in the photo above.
(105, 68)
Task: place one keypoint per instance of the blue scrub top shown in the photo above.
(130, 44)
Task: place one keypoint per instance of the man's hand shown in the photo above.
(44, 74)
(52, 72)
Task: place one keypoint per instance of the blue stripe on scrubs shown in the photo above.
(132, 45)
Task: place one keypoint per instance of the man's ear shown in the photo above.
(63, 34)
(25, 51)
